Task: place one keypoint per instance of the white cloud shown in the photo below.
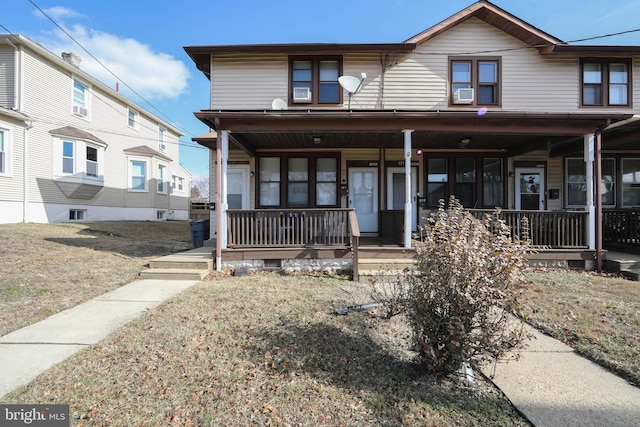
(153, 75)
(58, 13)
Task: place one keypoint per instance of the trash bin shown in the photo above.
(199, 231)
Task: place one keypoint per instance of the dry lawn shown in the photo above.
(598, 315)
(263, 350)
(47, 268)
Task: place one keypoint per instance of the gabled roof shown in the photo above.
(71, 132)
(495, 16)
(145, 150)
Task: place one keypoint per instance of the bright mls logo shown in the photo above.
(34, 415)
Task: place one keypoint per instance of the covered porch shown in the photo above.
(256, 231)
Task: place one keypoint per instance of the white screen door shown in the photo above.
(396, 192)
(238, 186)
(530, 189)
(363, 197)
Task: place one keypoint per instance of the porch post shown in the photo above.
(224, 204)
(218, 199)
(591, 217)
(408, 206)
(598, 215)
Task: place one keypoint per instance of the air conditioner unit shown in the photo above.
(301, 94)
(463, 96)
(79, 111)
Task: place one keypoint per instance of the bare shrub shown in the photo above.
(391, 292)
(463, 289)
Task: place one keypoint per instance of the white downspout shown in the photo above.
(589, 148)
(408, 206)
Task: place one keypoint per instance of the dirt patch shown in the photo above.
(47, 268)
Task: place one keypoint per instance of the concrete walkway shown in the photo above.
(553, 386)
(30, 351)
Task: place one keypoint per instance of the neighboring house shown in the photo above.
(73, 149)
(482, 105)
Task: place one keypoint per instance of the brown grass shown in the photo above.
(598, 315)
(263, 350)
(47, 268)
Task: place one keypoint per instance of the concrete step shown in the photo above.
(181, 264)
(174, 274)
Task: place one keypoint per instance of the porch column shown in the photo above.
(589, 149)
(218, 199)
(224, 203)
(408, 206)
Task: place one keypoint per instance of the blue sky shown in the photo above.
(142, 42)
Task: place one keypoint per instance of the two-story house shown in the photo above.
(74, 149)
(315, 142)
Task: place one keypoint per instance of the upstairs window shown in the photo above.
(162, 138)
(4, 151)
(132, 118)
(80, 99)
(314, 80)
(480, 75)
(605, 82)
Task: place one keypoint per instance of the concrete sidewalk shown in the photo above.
(553, 386)
(30, 351)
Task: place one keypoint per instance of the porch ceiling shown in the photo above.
(511, 132)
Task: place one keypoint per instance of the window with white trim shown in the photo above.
(77, 214)
(160, 178)
(4, 152)
(92, 161)
(177, 183)
(68, 155)
(132, 118)
(138, 175)
(80, 99)
(162, 138)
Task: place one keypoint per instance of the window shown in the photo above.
(631, 182)
(269, 181)
(576, 179)
(437, 178)
(492, 182)
(465, 181)
(80, 99)
(478, 73)
(161, 215)
(316, 77)
(177, 183)
(77, 214)
(132, 118)
(138, 174)
(326, 181)
(162, 185)
(605, 82)
(162, 138)
(92, 161)
(4, 151)
(309, 181)
(67, 157)
(298, 182)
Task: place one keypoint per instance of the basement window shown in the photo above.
(77, 214)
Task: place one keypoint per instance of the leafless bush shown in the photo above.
(391, 291)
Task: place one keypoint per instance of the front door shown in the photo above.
(530, 188)
(396, 185)
(363, 197)
(238, 186)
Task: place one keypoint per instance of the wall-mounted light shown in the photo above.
(317, 139)
(419, 152)
(464, 142)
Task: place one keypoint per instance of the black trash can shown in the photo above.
(199, 231)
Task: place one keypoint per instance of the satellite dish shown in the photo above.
(278, 104)
(350, 83)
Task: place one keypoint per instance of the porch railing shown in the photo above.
(621, 226)
(288, 228)
(552, 229)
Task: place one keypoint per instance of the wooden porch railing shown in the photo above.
(288, 228)
(621, 226)
(552, 229)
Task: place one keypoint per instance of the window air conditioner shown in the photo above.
(301, 94)
(463, 96)
(79, 111)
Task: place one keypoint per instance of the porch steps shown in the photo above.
(382, 267)
(194, 264)
(624, 263)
